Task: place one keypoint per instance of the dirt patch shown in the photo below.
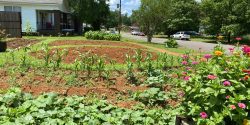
(100, 43)
(19, 43)
(109, 53)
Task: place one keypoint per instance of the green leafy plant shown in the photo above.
(130, 66)
(171, 43)
(99, 35)
(57, 58)
(46, 56)
(218, 91)
(152, 97)
(139, 58)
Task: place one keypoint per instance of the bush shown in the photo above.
(3, 44)
(171, 43)
(218, 90)
(98, 35)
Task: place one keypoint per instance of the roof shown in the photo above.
(34, 1)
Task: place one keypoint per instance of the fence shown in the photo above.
(11, 22)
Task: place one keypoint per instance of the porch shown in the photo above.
(53, 22)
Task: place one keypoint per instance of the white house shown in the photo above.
(44, 16)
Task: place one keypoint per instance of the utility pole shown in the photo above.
(120, 17)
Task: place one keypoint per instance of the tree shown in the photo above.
(184, 16)
(150, 15)
(94, 12)
(230, 17)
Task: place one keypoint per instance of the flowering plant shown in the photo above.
(218, 92)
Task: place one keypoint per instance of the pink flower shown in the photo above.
(211, 77)
(203, 115)
(242, 105)
(188, 68)
(227, 83)
(187, 78)
(233, 107)
(194, 63)
(184, 73)
(207, 56)
(231, 49)
(184, 56)
(238, 38)
(227, 97)
(184, 63)
(246, 49)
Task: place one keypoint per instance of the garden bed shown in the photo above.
(20, 42)
(93, 42)
(109, 53)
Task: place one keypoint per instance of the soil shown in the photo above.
(38, 84)
(20, 42)
(99, 43)
(109, 53)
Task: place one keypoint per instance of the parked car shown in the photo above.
(193, 33)
(135, 32)
(181, 35)
(141, 34)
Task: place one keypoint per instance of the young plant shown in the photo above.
(58, 57)
(100, 66)
(138, 57)
(149, 65)
(130, 66)
(46, 56)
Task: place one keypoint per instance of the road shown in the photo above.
(194, 45)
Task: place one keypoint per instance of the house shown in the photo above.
(44, 16)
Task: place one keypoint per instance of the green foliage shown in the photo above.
(217, 86)
(20, 108)
(225, 16)
(94, 12)
(99, 35)
(152, 97)
(28, 29)
(171, 43)
(2, 35)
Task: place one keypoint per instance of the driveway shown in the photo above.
(206, 47)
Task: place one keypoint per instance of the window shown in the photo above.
(12, 8)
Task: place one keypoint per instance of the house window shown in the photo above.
(45, 20)
(12, 8)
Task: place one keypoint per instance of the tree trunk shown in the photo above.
(149, 37)
(229, 37)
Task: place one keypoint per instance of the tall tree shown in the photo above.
(231, 17)
(151, 14)
(184, 16)
(94, 12)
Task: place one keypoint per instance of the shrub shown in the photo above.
(171, 43)
(98, 35)
(3, 44)
(217, 91)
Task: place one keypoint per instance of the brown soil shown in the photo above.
(19, 43)
(100, 43)
(117, 54)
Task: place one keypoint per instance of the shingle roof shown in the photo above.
(35, 1)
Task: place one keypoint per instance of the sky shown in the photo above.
(127, 5)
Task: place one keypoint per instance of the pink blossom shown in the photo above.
(184, 56)
(227, 97)
(238, 38)
(246, 49)
(188, 68)
(187, 78)
(242, 105)
(207, 56)
(227, 83)
(203, 115)
(231, 49)
(211, 77)
(233, 107)
(184, 73)
(184, 63)
(195, 63)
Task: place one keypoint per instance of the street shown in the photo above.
(206, 47)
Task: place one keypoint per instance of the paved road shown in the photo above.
(206, 47)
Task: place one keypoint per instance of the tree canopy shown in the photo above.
(94, 12)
